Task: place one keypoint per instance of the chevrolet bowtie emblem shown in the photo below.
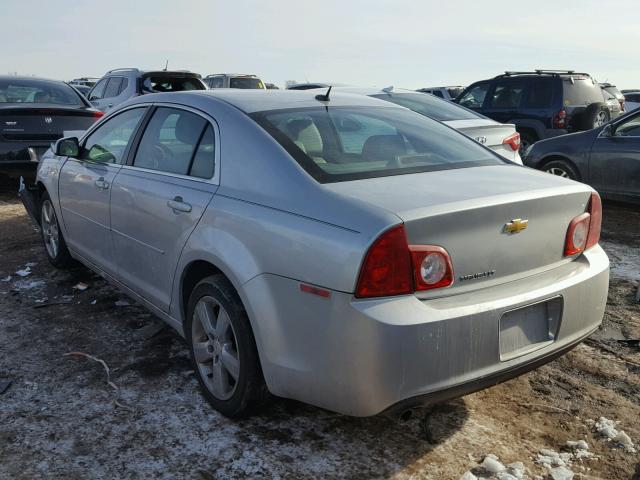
(516, 225)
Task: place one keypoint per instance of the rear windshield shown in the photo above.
(350, 143)
(34, 91)
(427, 105)
(246, 82)
(581, 91)
(159, 83)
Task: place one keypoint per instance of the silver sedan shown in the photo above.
(335, 249)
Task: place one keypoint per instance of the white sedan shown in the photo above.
(499, 137)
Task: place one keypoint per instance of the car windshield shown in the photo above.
(160, 83)
(35, 91)
(430, 106)
(246, 83)
(349, 143)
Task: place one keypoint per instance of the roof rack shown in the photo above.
(128, 69)
(544, 72)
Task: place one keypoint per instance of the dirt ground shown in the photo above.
(58, 417)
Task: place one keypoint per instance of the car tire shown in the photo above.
(55, 246)
(526, 140)
(223, 349)
(562, 168)
(596, 115)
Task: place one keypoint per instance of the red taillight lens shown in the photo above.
(513, 141)
(98, 114)
(584, 230)
(392, 267)
(431, 267)
(387, 267)
(595, 210)
(560, 120)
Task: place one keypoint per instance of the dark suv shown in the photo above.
(124, 83)
(541, 104)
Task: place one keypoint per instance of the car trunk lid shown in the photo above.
(42, 123)
(487, 131)
(467, 211)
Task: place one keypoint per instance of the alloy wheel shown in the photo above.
(50, 233)
(560, 172)
(215, 348)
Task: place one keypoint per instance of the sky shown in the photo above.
(408, 44)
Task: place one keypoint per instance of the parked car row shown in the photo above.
(340, 249)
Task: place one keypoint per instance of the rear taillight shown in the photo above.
(584, 230)
(513, 141)
(98, 114)
(392, 267)
(560, 119)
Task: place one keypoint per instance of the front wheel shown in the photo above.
(223, 349)
(54, 244)
(561, 169)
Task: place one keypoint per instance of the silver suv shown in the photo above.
(234, 80)
(124, 83)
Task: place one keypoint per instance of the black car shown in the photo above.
(33, 114)
(607, 157)
(541, 104)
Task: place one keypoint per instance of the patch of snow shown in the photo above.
(28, 284)
(24, 272)
(6, 279)
(492, 465)
(609, 430)
(561, 473)
(468, 476)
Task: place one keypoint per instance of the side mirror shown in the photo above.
(606, 131)
(67, 147)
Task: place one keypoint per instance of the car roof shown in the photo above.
(368, 90)
(232, 75)
(250, 101)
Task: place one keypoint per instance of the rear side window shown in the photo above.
(216, 82)
(474, 97)
(540, 94)
(123, 85)
(437, 93)
(161, 83)
(246, 83)
(170, 143)
(351, 143)
(204, 160)
(507, 94)
(440, 110)
(581, 91)
(454, 91)
(109, 141)
(113, 87)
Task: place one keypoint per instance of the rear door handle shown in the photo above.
(102, 184)
(178, 205)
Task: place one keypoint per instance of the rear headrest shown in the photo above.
(188, 129)
(383, 148)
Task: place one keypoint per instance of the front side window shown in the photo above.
(629, 128)
(507, 94)
(171, 143)
(109, 142)
(430, 107)
(351, 143)
(98, 90)
(474, 97)
(113, 87)
(216, 82)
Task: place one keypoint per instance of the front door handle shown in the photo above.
(178, 205)
(101, 184)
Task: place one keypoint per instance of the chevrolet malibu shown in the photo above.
(335, 249)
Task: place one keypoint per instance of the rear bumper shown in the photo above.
(361, 357)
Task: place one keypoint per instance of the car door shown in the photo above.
(85, 187)
(159, 196)
(614, 164)
(505, 99)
